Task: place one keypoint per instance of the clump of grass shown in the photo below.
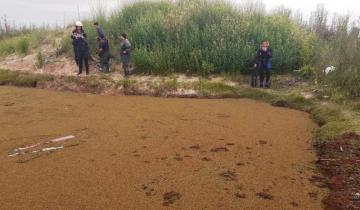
(330, 131)
(7, 47)
(24, 80)
(324, 115)
(332, 123)
(23, 46)
(255, 94)
(126, 83)
(293, 100)
(91, 83)
(63, 46)
(220, 89)
(7, 77)
(356, 106)
(171, 85)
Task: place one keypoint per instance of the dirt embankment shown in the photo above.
(154, 153)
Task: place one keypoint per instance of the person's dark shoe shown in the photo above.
(79, 73)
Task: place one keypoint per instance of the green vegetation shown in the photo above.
(216, 89)
(22, 79)
(23, 46)
(126, 83)
(63, 46)
(23, 43)
(214, 37)
(206, 37)
(199, 36)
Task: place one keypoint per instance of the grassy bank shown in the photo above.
(333, 118)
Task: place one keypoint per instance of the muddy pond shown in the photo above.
(135, 152)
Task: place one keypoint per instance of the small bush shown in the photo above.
(7, 47)
(23, 45)
(40, 60)
(63, 46)
(307, 72)
(345, 81)
(144, 61)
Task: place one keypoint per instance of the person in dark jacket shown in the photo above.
(104, 53)
(81, 48)
(262, 65)
(78, 25)
(99, 30)
(125, 53)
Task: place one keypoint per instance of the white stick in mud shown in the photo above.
(14, 154)
(61, 139)
(18, 151)
(49, 149)
(27, 147)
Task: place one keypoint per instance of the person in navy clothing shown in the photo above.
(262, 65)
(81, 47)
(104, 53)
(99, 30)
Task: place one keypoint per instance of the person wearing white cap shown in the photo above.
(81, 48)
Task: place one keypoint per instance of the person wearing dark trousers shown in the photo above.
(81, 48)
(263, 64)
(84, 59)
(254, 77)
(125, 53)
(104, 53)
(75, 34)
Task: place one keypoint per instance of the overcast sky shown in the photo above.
(57, 11)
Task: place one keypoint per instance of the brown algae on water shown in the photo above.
(127, 149)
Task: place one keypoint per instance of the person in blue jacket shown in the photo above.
(263, 65)
(99, 30)
(81, 47)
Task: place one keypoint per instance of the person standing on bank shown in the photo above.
(125, 53)
(78, 26)
(99, 30)
(104, 53)
(81, 47)
(263, 64)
